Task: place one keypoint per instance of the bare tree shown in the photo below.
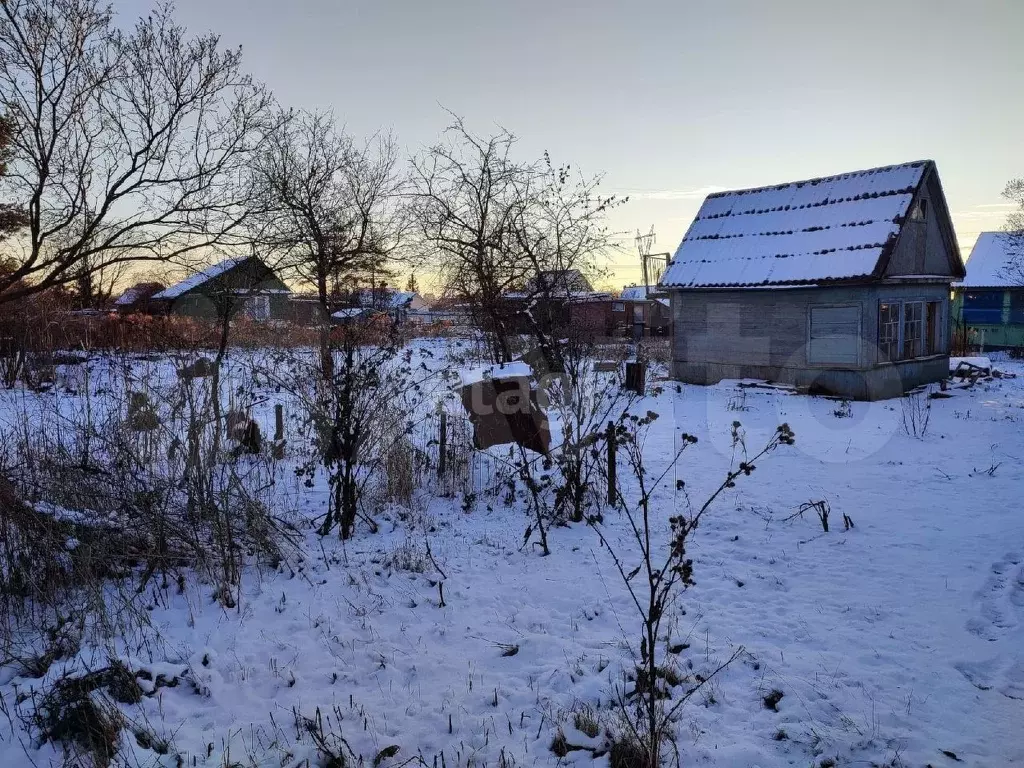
(327, 205)
(1014, 192)
(496, 224)
(125, 145)
(1013, 270)
(559, 226)
(12, 217)
(466, 193)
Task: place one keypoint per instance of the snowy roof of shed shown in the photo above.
(387, 299)
(346, 312)
(138, 292)
(192, 282)
(996, 261)
(640, 293)
(804, 232)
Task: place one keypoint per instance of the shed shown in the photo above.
(647, 309)
(989, 302)
(839, 284)
(245, 285)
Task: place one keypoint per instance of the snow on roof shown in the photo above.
(347, 312)
(192, 282)
(506, 371)
(996, 261)
(643, 293)
(634, 293)
(137, 292)
(386, 299)
(832, 228)
(570, 296)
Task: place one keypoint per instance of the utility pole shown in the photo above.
(650, 265)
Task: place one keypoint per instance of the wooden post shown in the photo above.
(442, 458)
(610, 437)
(635, 375)
(279, 422)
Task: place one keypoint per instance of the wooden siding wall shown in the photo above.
(921, 249)
(765, 333)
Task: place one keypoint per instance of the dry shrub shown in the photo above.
(78, 712)
(916, 408)
(399, 477)
(409, 557)
(134, 484)
(43, 556)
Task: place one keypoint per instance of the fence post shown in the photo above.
(610, 437)
(635, 375)
(442, 440)
(279, 422)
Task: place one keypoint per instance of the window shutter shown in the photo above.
(834, 336)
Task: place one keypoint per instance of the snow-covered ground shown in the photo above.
(897, 642)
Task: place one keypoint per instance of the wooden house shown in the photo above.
(236, 286)
(989, 302)
(838, 284)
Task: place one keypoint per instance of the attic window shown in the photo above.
(920, 212)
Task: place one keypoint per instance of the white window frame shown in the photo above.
(258, 307)
(884, 341)
(900, 340)
(618, 306)
(908, 336)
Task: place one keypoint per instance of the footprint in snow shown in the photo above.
(1000, 600)
(995, 674)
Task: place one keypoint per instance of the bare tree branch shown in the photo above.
(126, 145)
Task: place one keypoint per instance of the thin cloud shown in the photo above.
(986, 211)
(674, 194)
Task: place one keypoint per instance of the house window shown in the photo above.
(933, 333)
(983, 307)
(889, 331)
(1017, 307)
(909, 329)
(638, 313)
(913, 329)
(258, 307)
(618, 306)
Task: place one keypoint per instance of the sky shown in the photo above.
(668, 100)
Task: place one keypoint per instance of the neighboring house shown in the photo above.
(559, 282)
(245, 285)
(398, 305)
(838, 284)
(138, 298)
(989, 302)
(305, 309)
(347, 315)
(647, 310)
